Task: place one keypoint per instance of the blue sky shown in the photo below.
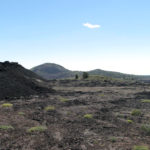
(78, 34)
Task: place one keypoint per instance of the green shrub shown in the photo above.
(136, 112)
(7, 105)
(62, 99)
(146, 129)
(145, 100)
(37, 129)
(6, 127)
(113, 139)
(49, 108)
(140, 148)
(101, 95)
(119, 115)
(130, 121)
(21, 113)
(88, 116)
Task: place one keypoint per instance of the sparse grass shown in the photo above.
(49, 108)
(98, 78)
(7, 105)
(21, 113)
(96, 142)
(6, 127)
(88, 116)
(145, 100)
(62, 99)
(37, 129)
(119, 115)
(130, 121)
(113, 139)
(140, 148)
(68, 113)
(101, 95)
(146, 129)
(136, 112)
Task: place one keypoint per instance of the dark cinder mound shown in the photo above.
(52, 71)
(16, 81)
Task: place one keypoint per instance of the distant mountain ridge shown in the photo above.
(51, 71)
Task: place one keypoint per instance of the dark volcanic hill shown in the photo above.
(53, 71)
(16, 81)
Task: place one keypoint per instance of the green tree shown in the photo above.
(76, 76)
(85, 75)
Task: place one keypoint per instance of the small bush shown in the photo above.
(49, 108)
(113, 139)
(6, 127)
(7, 105)
(129, 121)
(37, 129)
(136, 112)
(21, 113)
(145, 100)
(101, 95)
(146, 129)
(63, 99)
(88, 116)
(119, 115)
(140, 148)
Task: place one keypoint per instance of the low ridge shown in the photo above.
(53, 71)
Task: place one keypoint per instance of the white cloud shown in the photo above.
(91, 26)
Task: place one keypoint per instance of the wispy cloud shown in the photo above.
(91, 26)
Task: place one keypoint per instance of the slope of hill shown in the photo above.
(111, 74)
(16, 81)
(119, 75)
(53, 71)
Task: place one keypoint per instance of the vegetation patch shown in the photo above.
(7, 105)
(130, 121)
(136, 112)
(62, 99)
(119, 115)
(113, 139)
(50, 108)
(146, 129)
(145, 100)
(140, 148)
(101, 95)
(21, 113)
(88, 116)
(37, 129)
(85, 75)
(6, 127)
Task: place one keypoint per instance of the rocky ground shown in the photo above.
(101, 117)
(16, 81)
